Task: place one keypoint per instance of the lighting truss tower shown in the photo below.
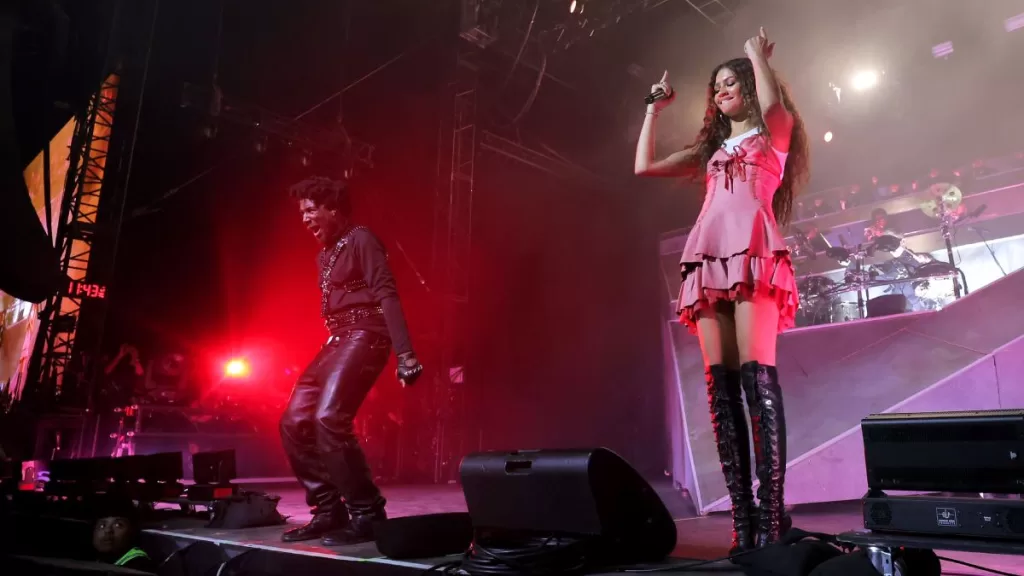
(718, 12)
(452, 244)
(77, 226)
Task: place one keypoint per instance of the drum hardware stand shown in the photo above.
(988, 247)
(860, 281)
(947, 234)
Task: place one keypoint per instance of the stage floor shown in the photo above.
(702, 538)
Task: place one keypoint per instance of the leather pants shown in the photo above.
(316, 428)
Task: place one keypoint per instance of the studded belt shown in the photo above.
(335, 322)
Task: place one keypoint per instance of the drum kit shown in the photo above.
(879, 263)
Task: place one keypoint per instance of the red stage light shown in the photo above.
(237, 368)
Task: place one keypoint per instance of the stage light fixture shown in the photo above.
(209, 130)
(576, 7)
(837, 91)
(1014, 23)
(306, 158)
(828, 136)
(942, 50)
(236, 368)
(864, 80)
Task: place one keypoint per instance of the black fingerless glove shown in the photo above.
(409, 369)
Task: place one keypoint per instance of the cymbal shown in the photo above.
(945, 198)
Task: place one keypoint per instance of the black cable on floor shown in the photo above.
(976, 567)
(537, 556)
(554, 555)
(697, 565)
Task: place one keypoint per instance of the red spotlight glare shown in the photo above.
(236, 368)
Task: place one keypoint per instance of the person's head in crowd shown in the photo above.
(879, 218)
(115, 535)
(116, 528)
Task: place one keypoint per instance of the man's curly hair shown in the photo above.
(326, 192)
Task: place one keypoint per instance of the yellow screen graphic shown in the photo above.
(20, 323)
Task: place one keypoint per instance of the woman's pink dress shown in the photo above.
(735, 250)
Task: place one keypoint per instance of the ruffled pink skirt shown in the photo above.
(736, 279)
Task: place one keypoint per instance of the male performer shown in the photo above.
(361, 310)
(880, 227)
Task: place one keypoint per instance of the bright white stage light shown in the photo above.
(828, 136)
(237, 368)
(864, 80)
(572, 7)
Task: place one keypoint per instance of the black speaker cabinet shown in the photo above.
(569, 492)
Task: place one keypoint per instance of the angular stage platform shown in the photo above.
(968, 356)
(699, 538)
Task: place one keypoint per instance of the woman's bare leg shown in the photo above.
(757, 329)
(717, 331)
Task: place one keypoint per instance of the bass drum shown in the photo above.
(826, 311)
(815, 302)
(813, 288)
(887, 305)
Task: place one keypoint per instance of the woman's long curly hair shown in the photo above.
(717, 128)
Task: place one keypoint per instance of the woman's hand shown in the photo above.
(664, 86)
(759, 46)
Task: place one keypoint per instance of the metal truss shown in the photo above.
(545, 162)
(77, 227)
(502, 23)
(452, 249)
(717, 12)
(297, 134)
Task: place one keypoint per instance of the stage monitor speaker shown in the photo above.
(427, 536)
(963, 451)
(569, 492)
(214, 467)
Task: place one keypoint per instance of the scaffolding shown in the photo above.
(717, 12)
(76, 231)
(452, 246)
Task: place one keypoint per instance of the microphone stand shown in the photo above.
(415, 270)
(989, 248)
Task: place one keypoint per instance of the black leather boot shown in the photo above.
(768, 424)
(360, 528)
(732, 438)
(348, 468)
(324, 521)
